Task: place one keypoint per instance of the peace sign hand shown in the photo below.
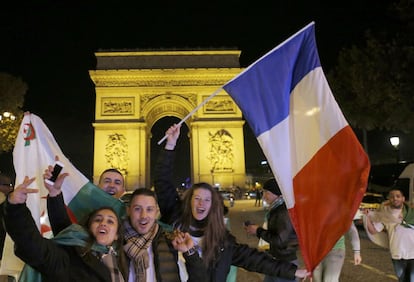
(19, 195)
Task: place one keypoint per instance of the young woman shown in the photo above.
(77, 253)
(200, 213)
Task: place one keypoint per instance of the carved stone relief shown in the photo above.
(116, 152)
(117, 106)
(221, 151)
(220, 105)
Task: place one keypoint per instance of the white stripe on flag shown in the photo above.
(310, 147)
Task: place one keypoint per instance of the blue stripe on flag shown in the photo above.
(263, 90)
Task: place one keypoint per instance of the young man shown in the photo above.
(112, 182)
(278, 230)
(151, 254)
(397, 219)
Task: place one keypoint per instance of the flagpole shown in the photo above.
(193, 111)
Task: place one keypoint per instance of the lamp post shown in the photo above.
(395, 142)
(7, 115)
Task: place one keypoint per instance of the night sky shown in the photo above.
(51, 45)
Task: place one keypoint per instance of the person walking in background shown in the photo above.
(329, 269)
(277, 229)
(200, 213)
(76, 254)
(397, 218)
(259, 196)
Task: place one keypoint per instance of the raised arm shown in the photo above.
(56, 209)
(41, 253)
(168, 198)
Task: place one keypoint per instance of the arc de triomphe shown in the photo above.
(136, 89)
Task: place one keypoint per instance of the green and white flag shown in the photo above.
(35, 149)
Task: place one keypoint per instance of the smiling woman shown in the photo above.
(76, 252)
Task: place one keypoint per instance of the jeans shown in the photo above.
(329, 269)
(404, 269)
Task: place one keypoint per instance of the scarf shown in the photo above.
(197, 227)
(111, 262)
(274, 205)
(73, 235)
(136, 248)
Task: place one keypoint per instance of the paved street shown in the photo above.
(376, 263)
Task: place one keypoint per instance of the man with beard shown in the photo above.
(397, 218)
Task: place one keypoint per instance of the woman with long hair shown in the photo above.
(87, 252)
(200, 214)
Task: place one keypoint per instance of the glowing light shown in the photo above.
(395, 141)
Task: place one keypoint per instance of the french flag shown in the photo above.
(317, 160)
(35, 149)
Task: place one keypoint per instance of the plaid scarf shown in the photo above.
(136, 248)
(110, 260)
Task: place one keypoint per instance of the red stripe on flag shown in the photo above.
(71, 215)
(328, 191)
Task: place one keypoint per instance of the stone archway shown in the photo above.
(136, 89)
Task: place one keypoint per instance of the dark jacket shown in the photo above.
(165, 257)
(280, 234)
(231, 252)
(54, 261)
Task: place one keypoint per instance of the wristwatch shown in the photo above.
(191, 251)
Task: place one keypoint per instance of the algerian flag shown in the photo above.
(34, 151)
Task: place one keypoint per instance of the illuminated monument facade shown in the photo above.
(136, 89)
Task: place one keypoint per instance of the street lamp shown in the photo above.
(395, 142)
(7, 115)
